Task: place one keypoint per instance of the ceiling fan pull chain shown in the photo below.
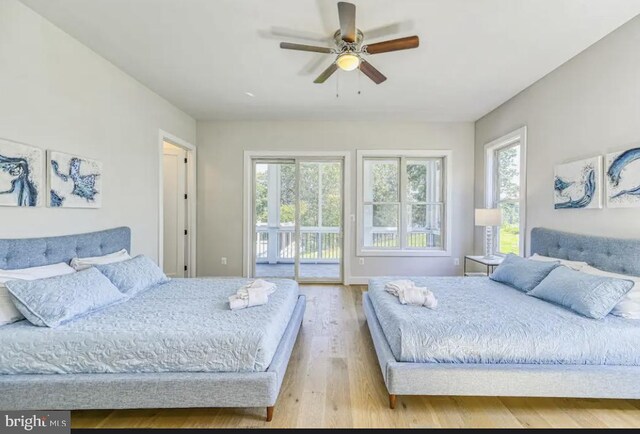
(359, 86)
(338, 85)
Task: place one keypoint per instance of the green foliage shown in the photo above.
(287, 213)
(509, 185)
(509, 239)
(417, 188)
(385, 182)
(287, 193)
(309, 194)
(385, 188)
(331, 195)
(509, 182)
(262, 210)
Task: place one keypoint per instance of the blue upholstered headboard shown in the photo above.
(610, 254)
(33, 252)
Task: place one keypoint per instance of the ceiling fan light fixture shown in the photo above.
(350, 45)
(348, 61)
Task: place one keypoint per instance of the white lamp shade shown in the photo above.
(348, 61)
(488, 217)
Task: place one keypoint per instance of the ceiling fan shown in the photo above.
(349, 48)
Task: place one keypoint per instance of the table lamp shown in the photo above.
(488, 217)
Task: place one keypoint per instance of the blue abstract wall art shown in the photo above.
(74, 182)
(21, 174)
(578, 184)
(623, 179)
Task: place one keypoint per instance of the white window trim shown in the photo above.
(519, 135)
(446, 155)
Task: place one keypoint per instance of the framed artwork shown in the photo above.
(578, 184)
(74, 182)
(21, 174)
(623, 179)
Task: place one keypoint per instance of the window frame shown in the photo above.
(491, 193)
(403, 156)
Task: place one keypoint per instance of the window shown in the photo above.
(401, 203)
(505, 172)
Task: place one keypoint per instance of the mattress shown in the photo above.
(481, 321)
(181, 326)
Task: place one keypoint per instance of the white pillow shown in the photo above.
(629, 306)
(574, 265)
(8, 311)
(84, 263)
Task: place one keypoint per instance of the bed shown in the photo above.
(487, 339)
(176, 345)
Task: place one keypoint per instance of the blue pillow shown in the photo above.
(521, 273)
(134, 275)
(589, 295)
(57, 300)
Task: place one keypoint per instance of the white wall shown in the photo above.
(589, 106)
(221, 147)
(56, 93)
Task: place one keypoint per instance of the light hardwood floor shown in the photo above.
(334, 380)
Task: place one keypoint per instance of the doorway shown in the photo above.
(175, 210)
(177, 201)
(297, 218)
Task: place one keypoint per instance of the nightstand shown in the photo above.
(491, 264)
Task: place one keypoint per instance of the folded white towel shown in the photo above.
(255, 298)
(418, 296)
(396, 286)
(236, 303)
(408, 293)
(270, 287)
(255, 293)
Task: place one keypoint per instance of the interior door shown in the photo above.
(174, 210)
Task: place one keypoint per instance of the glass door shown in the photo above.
(320, 230)
(274, 217)
(298, 218)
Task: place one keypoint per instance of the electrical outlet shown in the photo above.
(456, 262)
(361, 261)
(223, 260)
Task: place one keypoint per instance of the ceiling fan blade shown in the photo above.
(313, 65)
(394, 45)
(301, 47)
(347, 15)
(326, 74)
(388, 30)
(302, 35)
(371, 72)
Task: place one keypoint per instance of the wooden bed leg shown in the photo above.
(392, 401)
(269, 414)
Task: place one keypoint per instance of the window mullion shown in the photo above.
(496, 197)
(403, 178)
(320, 223)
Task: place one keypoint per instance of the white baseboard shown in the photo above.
(356, 280)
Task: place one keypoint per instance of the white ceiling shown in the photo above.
(203, 55)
